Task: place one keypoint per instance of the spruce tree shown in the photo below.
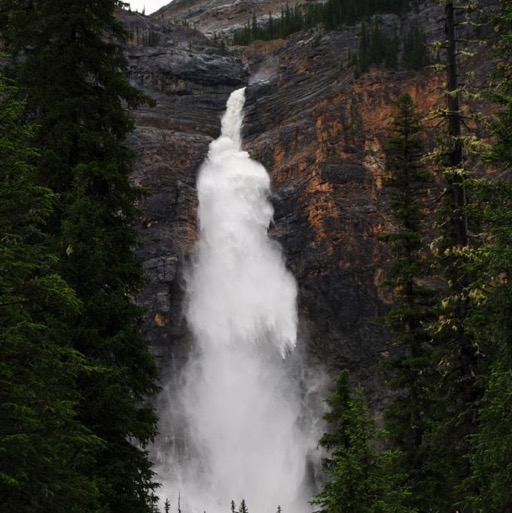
(43, 445)
(408, 184)
(243, 507)
(70, 68)
(491, 477)
(454, 389)
(464, 327)
(415, 53)
(360, 478)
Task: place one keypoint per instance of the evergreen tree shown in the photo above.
(331, 15)
(409, 319)
(492, 479)
(243, 507)
(449, 382)
(42, 443)
(455, 389)
(376, 47)
(71, 70)
(415, 54)
(361, 479)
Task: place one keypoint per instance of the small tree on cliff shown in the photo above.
(361, 480)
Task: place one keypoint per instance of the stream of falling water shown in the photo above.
(240, 405)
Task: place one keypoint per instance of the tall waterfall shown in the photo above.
(241, 404)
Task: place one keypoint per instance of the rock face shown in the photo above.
(190, 79)
(318, 131)
(218, 17)
(320, 134)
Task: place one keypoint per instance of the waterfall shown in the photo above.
(241, 405)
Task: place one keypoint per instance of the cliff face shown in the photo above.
(190, 79)
(218, 17)
(318, 131)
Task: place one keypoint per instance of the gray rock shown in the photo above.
(318, 131)
(190, 78)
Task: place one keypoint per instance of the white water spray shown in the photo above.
(242, 409)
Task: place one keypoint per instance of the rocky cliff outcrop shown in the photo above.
(318, 131)
(190, 79)
(218, 17)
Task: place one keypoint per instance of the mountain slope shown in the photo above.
(319, 132)
(217, 17)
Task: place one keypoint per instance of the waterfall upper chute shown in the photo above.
(240, 404)
(240, 290)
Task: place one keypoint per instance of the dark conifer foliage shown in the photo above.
(459, 336)
(378, 45)
(70, 70)
(409, 274)
(43, 445)
(415, 51)
(492, 479)
(331, 14)
(458, 359)
(290, 21)
(338, 12)
(492, 328)
(361, 479)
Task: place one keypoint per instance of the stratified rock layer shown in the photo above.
(219, 17)
(319, 132)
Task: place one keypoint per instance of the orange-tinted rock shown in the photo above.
(320, 134)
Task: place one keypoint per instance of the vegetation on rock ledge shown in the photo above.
(376, 47)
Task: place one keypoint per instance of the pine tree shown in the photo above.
(71, 71)
(491, 329)
(415, 54)
(361, 479)
(376, 47)
(331, 15)
(243, 507)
